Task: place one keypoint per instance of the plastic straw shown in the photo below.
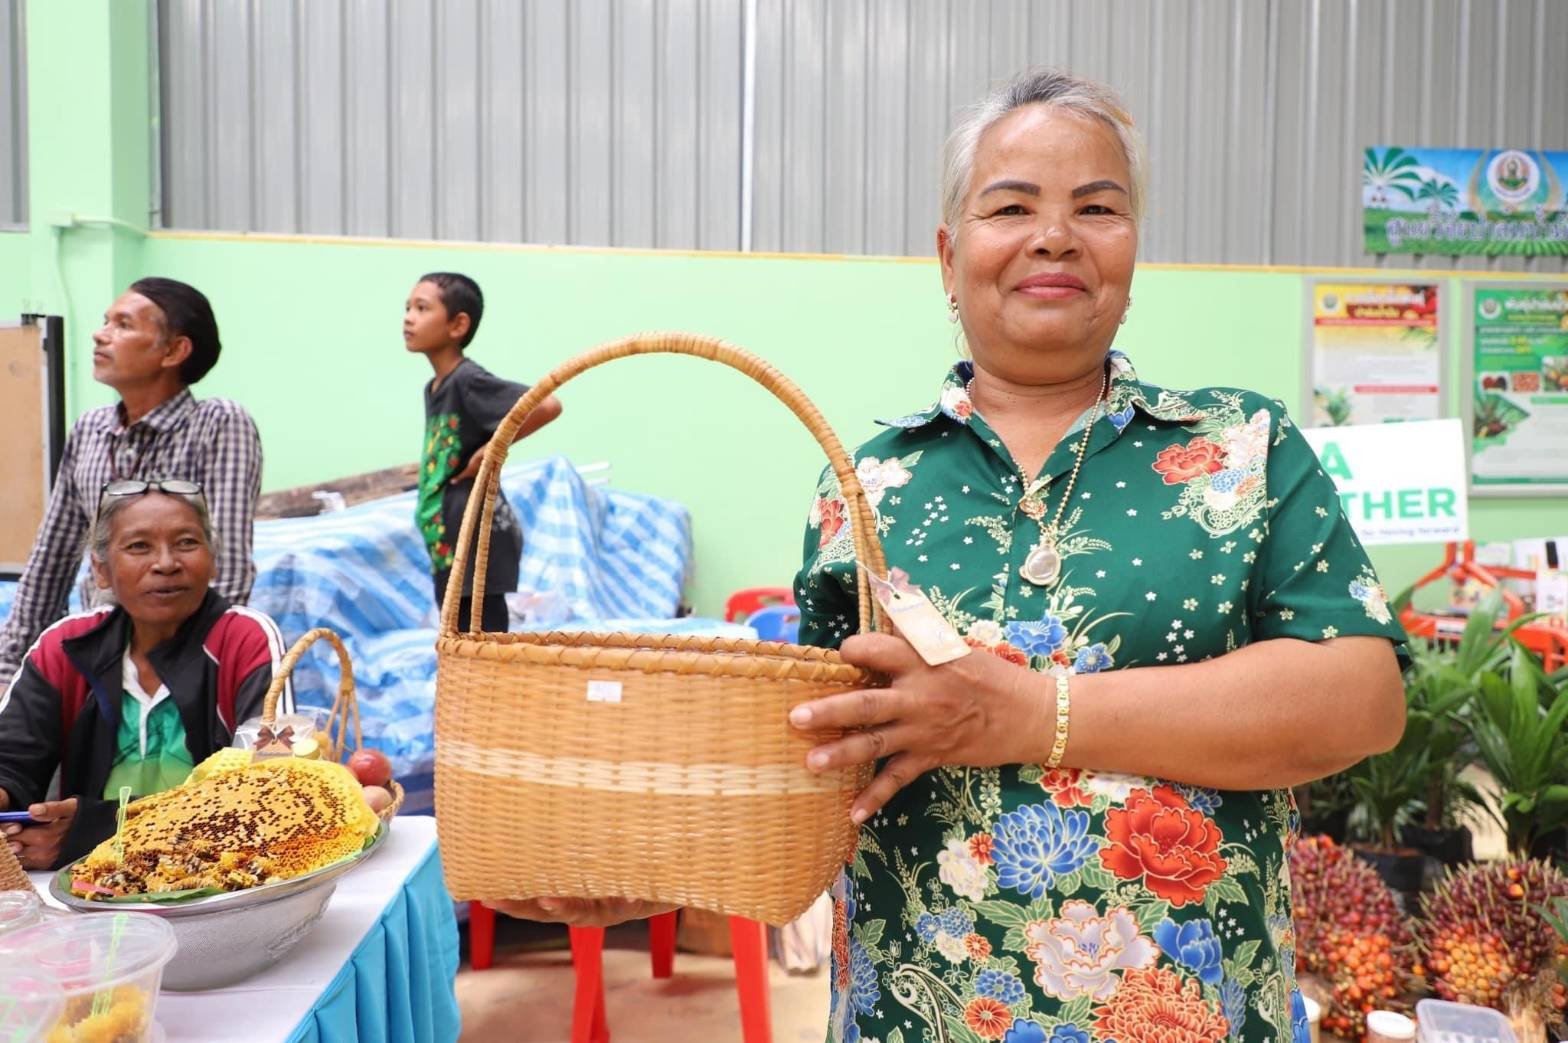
(104, 1000)
(119, 823)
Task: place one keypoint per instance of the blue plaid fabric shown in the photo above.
(618, 559)
(365, 573)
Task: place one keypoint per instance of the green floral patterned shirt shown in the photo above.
(1065, 906)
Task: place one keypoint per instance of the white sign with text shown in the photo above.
(1398, 483)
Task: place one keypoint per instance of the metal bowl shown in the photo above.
(229, 937)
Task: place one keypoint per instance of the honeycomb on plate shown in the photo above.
(237, 828)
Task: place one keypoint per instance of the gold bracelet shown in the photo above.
(1063, 707)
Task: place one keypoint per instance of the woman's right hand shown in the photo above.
(581, 912)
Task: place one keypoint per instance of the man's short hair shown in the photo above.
(460, 295)
(186, 313)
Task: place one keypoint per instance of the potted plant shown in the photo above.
(1406, 801)
(1441, 682)
(1393, 792)
(1517, 723)
(1325, 807)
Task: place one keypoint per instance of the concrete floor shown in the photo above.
(526, 995)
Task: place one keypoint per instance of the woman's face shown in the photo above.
(158, 564)
(1042, 254)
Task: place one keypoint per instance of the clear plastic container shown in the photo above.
(1387, 1026)
(1314, 1011)
(306, 722)
(19, 909)
(29, 1006)
(108, 967)
(1444, 1022)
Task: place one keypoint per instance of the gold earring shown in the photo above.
(952, 307)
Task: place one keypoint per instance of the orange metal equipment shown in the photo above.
(1545, 638)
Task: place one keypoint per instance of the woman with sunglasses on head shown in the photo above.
(136, 692)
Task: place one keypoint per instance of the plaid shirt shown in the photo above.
(213, 441)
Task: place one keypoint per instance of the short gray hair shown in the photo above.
(1041, 87)
(103, 523)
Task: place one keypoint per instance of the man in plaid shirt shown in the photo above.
(157, 339)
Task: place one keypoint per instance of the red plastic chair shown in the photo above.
(743, 603)
(748, 938)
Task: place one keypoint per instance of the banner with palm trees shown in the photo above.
(1463, 201)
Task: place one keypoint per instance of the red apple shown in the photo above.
(370, 767)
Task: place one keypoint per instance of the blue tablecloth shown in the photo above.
(397, 988)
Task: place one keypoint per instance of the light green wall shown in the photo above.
(313, 347)
(311, 328)
(16, 293)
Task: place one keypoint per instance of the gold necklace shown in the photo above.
(1043, 565)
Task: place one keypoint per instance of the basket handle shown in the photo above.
(346, 704)
(868, 549)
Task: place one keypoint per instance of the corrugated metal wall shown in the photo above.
(618, 122)
(558, 121)
(13, 115)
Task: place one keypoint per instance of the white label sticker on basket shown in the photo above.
(604, 691)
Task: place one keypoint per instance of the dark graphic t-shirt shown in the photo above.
(460, 416)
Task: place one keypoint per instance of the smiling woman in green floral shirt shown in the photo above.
(1178, 556)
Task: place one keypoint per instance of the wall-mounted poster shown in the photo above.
(1374, 354)
(1454, 201)
(1517, 389)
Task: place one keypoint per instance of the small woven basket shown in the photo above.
(662, 768)
(12, 876)
(345, 706)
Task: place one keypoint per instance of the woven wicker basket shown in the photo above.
(345, 706)
(12, 876)
(635, 766)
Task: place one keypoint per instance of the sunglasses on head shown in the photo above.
(139, 487)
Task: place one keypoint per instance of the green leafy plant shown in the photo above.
(1418, 780)
(1555, 912)
(1517, 723)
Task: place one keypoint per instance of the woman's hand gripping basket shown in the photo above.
(662, 768)
(344, 708)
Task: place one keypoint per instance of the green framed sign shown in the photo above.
(1516, 388)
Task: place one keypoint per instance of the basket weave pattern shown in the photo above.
(345, 707)
(12, 876)
(639, 766)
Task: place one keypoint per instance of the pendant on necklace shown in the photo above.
(1043, 564)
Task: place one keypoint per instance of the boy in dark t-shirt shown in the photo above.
(464, 404)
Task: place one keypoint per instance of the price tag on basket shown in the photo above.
(916, 618)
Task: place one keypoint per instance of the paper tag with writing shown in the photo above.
(604, 691)
(917, 619)
(1551, 593)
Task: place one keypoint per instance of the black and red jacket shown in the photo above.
(62, 710)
